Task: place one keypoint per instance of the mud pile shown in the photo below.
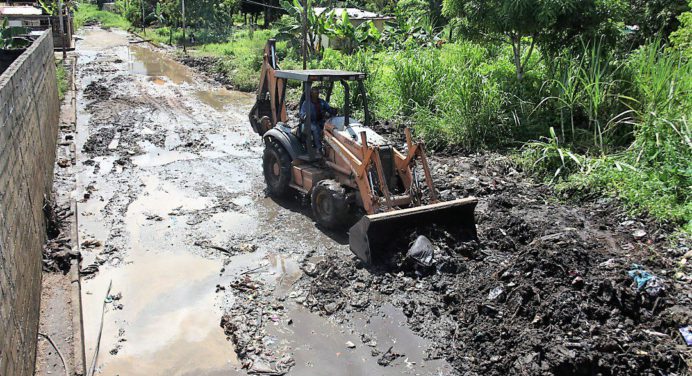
(244, 325)
(208, 66)
(547, 288)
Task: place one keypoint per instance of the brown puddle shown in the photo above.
(147, 62)
(168, 324)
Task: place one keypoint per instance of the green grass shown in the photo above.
(61, 76)
(88, 13)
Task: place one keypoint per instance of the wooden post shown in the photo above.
(62, 30)
(184, 37)
(305, 34)
(144, 30)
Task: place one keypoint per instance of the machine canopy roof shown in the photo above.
(319, 75)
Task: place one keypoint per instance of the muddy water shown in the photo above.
(168, 321)
(179, 169)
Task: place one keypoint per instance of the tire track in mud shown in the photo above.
(172, 202)
(159, 277)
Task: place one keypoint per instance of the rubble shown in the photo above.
(244, 324)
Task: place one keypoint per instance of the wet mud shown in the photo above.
(545, 289)
(188, 267)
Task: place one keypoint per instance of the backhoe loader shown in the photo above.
(357, 169)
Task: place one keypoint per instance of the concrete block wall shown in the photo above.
(29, 118)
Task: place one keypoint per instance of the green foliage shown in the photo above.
(682, 37)
(547, 158)
(411, 10)
(551, 24)
(61, 77)
(654, 18)
(131, 10)
(410, 32)
(470, 107)
(241, 57)
(292, 25)
(11, 37)
(654, 173)
(349, 37)
(89, 13)
(418, 76)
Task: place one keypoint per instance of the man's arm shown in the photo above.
(304, 110)
(326, 107)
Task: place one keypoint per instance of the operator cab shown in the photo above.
(265, 116)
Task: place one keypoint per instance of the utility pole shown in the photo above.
(62, 31)
(184, 37)
(305, 34)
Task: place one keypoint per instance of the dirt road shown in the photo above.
(177, 233)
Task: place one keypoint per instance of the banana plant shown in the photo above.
(294, 30)
(351, 37)
(12, 37)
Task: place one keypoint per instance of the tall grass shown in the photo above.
(61, 77)
(652, 173)
(90, 13)
(469, 105)
(418, 77)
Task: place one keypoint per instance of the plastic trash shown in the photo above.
(640, 276)
(647, 281)
(686, 332)
(422, 251)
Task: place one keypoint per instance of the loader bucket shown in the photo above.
(369, 237)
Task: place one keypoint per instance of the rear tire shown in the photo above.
(329, 205)
(276, 164)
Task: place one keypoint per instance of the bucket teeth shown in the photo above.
(369, 236)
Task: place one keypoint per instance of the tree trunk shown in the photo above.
(515, 39)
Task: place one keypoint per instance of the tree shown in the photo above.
(525, 23)
(654, 18)
(682, 37)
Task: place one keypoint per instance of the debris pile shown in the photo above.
(97, 91)
(244, 324)
(207, 65)
(57, 251)
(544, 290)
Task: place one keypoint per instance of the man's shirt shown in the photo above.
(317, 115)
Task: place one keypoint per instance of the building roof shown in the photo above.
(20, 11)
(353, 13)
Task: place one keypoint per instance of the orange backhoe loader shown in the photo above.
(356, 169)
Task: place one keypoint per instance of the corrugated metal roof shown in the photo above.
(20, 11)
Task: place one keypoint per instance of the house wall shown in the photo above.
(28, 134)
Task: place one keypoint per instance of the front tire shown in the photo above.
(276, 164)
(329, 205)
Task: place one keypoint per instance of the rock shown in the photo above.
(245, 248)
(495, 293)
(330, 308)
(639, 234)
(350, 345)
(578, 282)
